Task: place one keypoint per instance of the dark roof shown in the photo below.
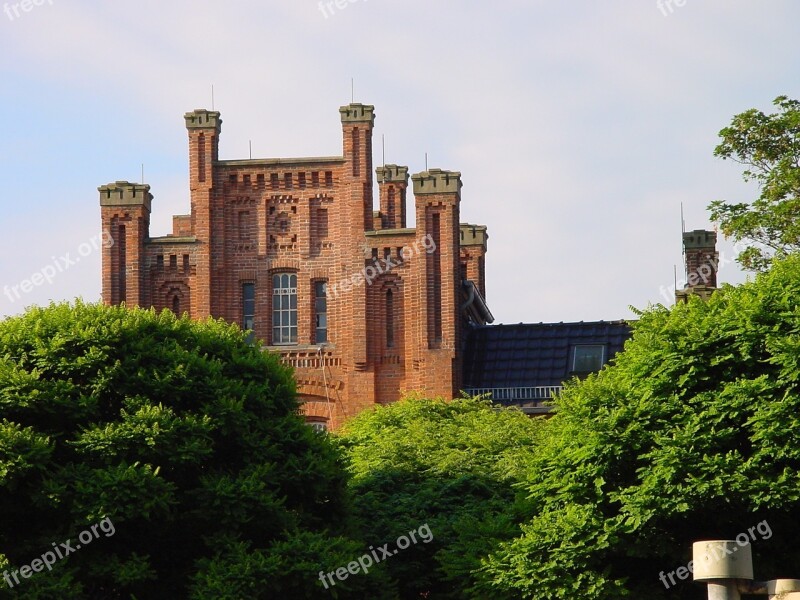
(530, 355)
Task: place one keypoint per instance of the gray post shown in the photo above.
(723, 590)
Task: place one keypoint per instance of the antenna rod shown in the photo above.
(675, 275)
(426, 161)
(683, 223)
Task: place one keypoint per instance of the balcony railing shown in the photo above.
(513, 395)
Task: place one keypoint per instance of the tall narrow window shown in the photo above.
(356, 152)
(320, 312)
(201, 157)
(435, 285)
(122, 259)
(244, 225)
(176, 305)
(284, 308)
(248, 306)
(322, 222)
(390, 210)
(389, 319)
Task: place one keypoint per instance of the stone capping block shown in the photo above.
(437, 181)
(172, 239)
(357, 113)
(201, 118)
(473, 235)
(124, 193)
(700, 238)
(392, 174)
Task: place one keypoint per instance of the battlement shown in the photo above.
(124, 193)
(700, 238)
(201, 118)
(358, 113)
(392, 174)
(437, 181)
(473, 235)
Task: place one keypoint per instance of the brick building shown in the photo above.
(363, 307)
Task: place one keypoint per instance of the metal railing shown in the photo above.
(517, 394)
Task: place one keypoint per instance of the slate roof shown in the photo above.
(530, 355)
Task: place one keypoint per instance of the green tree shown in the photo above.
(768, 146)
(450, 465)
(184, 437)
(694, 433)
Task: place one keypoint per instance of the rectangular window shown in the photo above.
(301, 179)
(287, 181)
(320, 312)
(587, 358)
(318, 426)
(246, 179)
(329, 178)
(284, 309)
(186, 262)
(173, 262)
(315, 178)
(248, 306)
(160, 262)
(273, 181)
(260, 180)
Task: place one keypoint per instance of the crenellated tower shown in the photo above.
(204, 127)
(125, 215)
(437, 196)
(392, 186)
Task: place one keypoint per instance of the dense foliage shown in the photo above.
(693, 434)
(182, 436)
(450, 465)
(768, 146)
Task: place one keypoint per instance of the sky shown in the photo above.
(580, 128)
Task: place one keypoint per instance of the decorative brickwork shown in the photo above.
(389, 319)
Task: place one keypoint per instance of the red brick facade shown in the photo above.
(395, 298)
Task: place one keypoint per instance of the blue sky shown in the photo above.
(579, 128)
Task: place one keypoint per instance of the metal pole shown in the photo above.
(723, 590)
